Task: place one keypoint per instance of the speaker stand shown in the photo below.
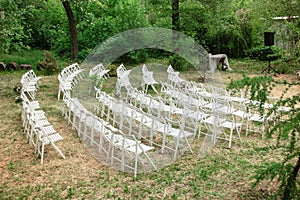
(269, 67)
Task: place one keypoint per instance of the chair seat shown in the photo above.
(39, 114)
(257, 118)
(213, 120)
(226, 109)
(230, 125)
(145, 120)
(139, 148)
(51, 138)
(178, 134)
(174, 132)
(196, 115)
(47, 131)
(240, 113)
(41, 123)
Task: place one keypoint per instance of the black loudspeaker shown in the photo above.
(269, 38)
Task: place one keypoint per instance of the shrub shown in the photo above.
(112, 70)
(95, 81)
(178, 63)
(49, 65)
(262, 53)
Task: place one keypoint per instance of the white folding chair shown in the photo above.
(75, 71)
(29, 86)
(194, 116)
(65, 87)
(126, 146)
(34, 78)
(100, 71)
(257, 121)
(123, 79)
(177, 134)
(36, 121)
(173, 77)
(47, 135)
(231, 124)
(148, 79)
(222, 118)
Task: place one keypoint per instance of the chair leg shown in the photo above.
(123, 158)
(176, 148)
(100, 142)
(164, 143)
(154, 88)
(58, 95)
(112, 154)
(136, 164)
(247, 127)
(37, 145)
(187, 142)
(230, 138)
(42, 153)
(238, 130)
(58, 150)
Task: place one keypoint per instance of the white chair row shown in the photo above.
(105, 138)
(143, 125)
(181, 97)
(30, 83)
(162, 108)
(38, 129)
(145, 101)
(201, 99)
(213, 110)
(256, 116)
(124, 79)
(68, 78)
(147, 79)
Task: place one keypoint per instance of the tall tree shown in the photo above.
(73, 30)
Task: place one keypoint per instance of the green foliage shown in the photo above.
(285, 128)
(112, 70)
(23, 57)
(12, 31)
(134, 57)
(94, 26)
(257, 88)
(178, 63)
(159, 13)
(263, 53)
(95, 81)
(286, 67)
(48, 65)
(272, 171)
(129, 14)
(230, 29)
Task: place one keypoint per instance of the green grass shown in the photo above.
(248, 66)
(31, 57)
(23, 57)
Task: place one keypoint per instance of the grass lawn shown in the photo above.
(222, 174)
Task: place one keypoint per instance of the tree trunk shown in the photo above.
(73, 30)
(175, 26)
(175, 15)
(291, 181)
